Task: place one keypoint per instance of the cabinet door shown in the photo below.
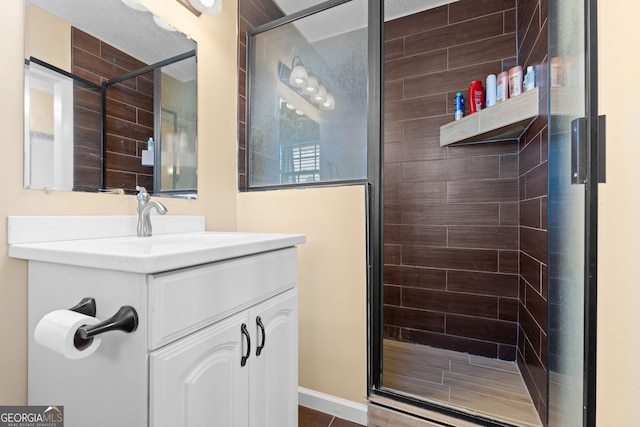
(273, 389)
(198, 381)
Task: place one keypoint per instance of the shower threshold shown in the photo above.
(478, 385)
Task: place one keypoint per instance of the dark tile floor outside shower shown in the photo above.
(312, 418)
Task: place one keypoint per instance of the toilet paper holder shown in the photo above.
(86, 306)
(125, 319)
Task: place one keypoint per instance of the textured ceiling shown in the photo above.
(393, 9)
(349, 16)
(135, 33)
(131, 31)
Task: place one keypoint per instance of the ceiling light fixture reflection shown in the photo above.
(329, 103)
(321, 96)
(298, 77)
(135, 4)
(163, 24)
(312, 85)
(210, 7)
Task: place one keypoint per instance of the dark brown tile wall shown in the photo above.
(251, 14)
(533, 189)
(451, 214)
(87, 125)
(129, 117)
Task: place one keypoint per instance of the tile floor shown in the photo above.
(479, 385)
(312, 418)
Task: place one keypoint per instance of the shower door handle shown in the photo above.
(579, 148)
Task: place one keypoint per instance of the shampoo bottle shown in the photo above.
(502, 87)
(476, 96)
(515, 81)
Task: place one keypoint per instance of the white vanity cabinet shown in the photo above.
(241, 370)
(233, 373)
(184, 365)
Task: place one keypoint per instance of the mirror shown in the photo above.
(110, 99)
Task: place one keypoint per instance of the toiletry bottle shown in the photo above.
(150, 144)
(529, 79)
(458, 106)
(515, 81)
(490, 97)
(502, 87)
(476, 96)
(556, 71)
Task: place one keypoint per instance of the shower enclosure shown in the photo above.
(481, 254)
(484, 243)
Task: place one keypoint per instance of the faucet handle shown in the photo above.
(143, 195)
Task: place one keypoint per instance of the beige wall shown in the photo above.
(332, 263)
(216, 35)
(332, 280)
(619, 229)
(332, 287)
(47, 37)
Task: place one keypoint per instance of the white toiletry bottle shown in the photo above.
(529, 79)
(150, 144)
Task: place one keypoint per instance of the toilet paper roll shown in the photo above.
(57, 331)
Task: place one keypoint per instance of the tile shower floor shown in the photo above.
(479, 385)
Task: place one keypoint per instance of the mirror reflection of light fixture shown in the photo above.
(312, 86)
(329, 103)
(210, 7)
(298, 77)
(301, 79)
(135, 4)
(163, 24)
(321, 96)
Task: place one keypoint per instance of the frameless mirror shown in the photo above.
(110, 99)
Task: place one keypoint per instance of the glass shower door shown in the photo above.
(176, 129)
(557, 348)
(572, 209)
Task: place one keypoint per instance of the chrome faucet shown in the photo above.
(144, 211)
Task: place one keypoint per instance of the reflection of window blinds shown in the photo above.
(42, 136)
(41, 156)
(301, 162)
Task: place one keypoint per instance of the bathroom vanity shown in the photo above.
(217, 336)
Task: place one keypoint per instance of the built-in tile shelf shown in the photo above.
(567, 101)
(506, 120)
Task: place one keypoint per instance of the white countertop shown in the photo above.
(162, 252)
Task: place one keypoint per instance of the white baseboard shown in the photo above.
(341, 408)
